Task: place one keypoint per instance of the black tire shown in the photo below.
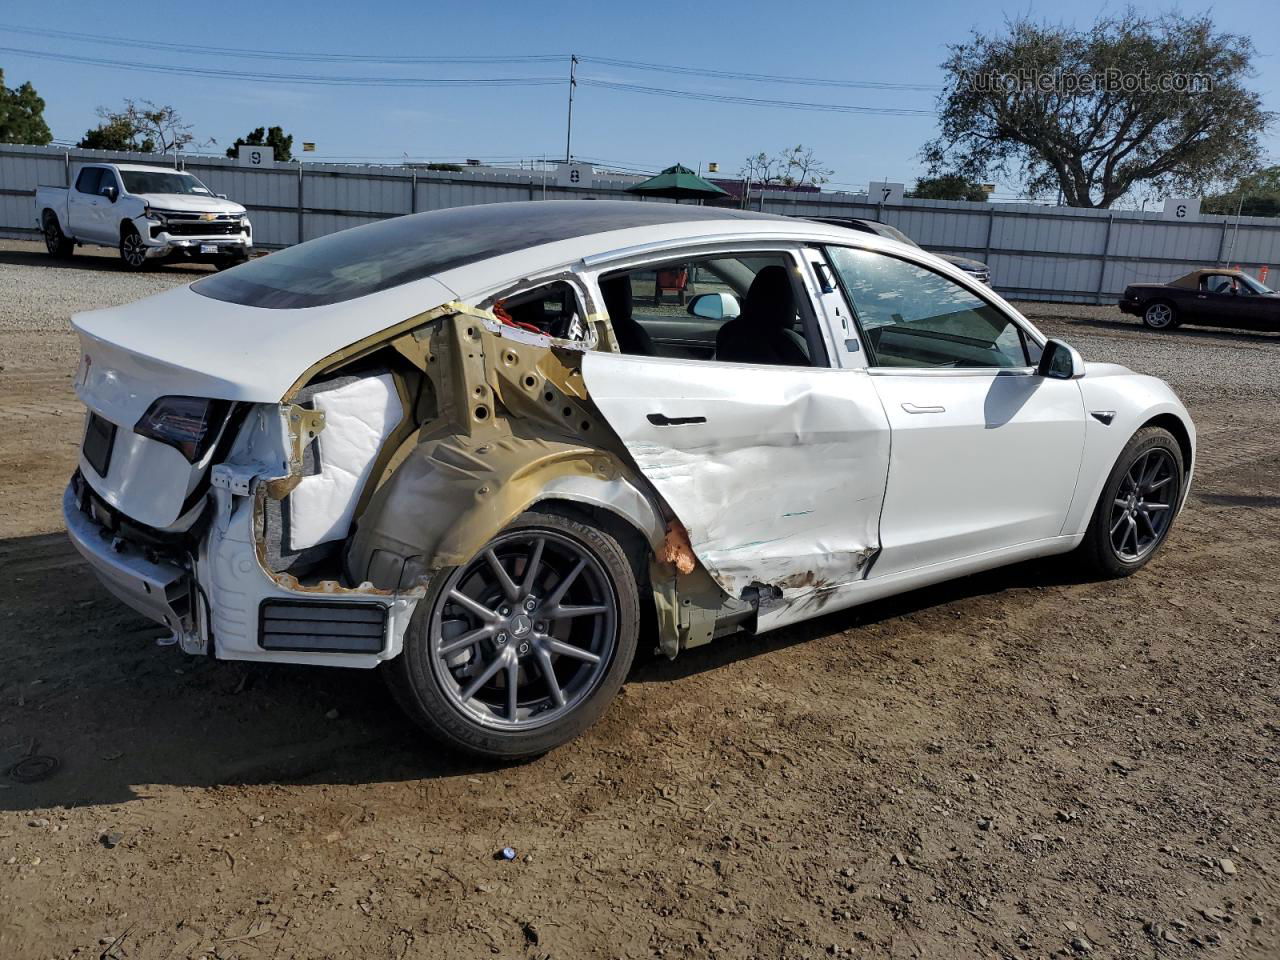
(226, 263)
(1160, 315)
(55, 241)
(427, 687)
(133, 252)
(1098, 550)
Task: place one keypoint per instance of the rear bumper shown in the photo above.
(156, 588)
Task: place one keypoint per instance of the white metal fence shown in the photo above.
(1035, 252)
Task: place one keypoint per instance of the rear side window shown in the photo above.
(88, 180)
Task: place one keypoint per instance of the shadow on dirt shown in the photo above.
(84, 682)
(101, 259)
(1049, 572)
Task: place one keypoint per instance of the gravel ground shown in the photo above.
(1019, 764)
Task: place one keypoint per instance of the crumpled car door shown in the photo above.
(777, 473)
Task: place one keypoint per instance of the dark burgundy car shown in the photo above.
(1211, 295)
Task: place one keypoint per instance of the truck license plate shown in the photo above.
(208, 248)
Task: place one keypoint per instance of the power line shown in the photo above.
(257, 54)
(311, 79)
(758, 77)
(756, 101)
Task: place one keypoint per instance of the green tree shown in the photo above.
(1096, 112)
(141, 127)
(22, 115)
(273, 137)
(948, 186)
(1257, 195)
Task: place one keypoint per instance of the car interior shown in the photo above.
(746, 309)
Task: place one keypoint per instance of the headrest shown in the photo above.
(617, 296)
(770, 299)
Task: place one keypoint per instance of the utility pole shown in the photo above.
(573, 82)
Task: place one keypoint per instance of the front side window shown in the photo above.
(748, 308)
(143, 182)
(913, 317)
(88, 180)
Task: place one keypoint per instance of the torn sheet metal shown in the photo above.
(778, 474)
(359, 417)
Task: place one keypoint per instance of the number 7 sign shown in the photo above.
(886, 193)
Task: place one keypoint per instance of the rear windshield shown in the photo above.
(379, 256)
(160, 181)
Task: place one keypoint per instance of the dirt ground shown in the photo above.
(1019, 764)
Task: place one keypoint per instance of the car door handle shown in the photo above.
(662, 420)
(912, 408)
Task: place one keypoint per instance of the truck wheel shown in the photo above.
(56, 242)
(227, 262)
(133, 252)
(521, 649)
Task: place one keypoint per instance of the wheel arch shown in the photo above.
(1174, 424)
(1133, 401)
(50, 211)
(430, 514)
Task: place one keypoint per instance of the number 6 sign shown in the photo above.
(1182, 209)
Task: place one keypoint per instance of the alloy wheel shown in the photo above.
(1143, 505)
(525, 632)
(133, 250)
(1159, 315)
(52, 236)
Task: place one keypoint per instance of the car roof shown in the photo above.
(1193, 278)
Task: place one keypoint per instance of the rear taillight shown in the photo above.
(189, 424)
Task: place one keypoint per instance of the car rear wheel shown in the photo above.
(1135, 512)
(1160, 315)
(133, 252)
(55, 241)
(522, 648)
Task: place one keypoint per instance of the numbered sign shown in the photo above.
(1186, 209)
(888, 193)
(575, 175)
(259, 156)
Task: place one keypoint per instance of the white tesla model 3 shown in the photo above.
(488, 448)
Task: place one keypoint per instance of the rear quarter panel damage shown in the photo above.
(513, 427)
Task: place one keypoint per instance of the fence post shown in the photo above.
(413, 192)
(1106, 252)
(299, 201)
(991, 226)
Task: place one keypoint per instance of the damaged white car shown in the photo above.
(489, 448)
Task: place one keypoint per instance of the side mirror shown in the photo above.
(221, 196)
(714, 306)
(1060, 361)
(109, 192)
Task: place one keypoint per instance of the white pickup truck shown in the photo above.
(147, 213)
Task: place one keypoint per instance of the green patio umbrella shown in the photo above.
(677, 183)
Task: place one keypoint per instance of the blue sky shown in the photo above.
(880, 42)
